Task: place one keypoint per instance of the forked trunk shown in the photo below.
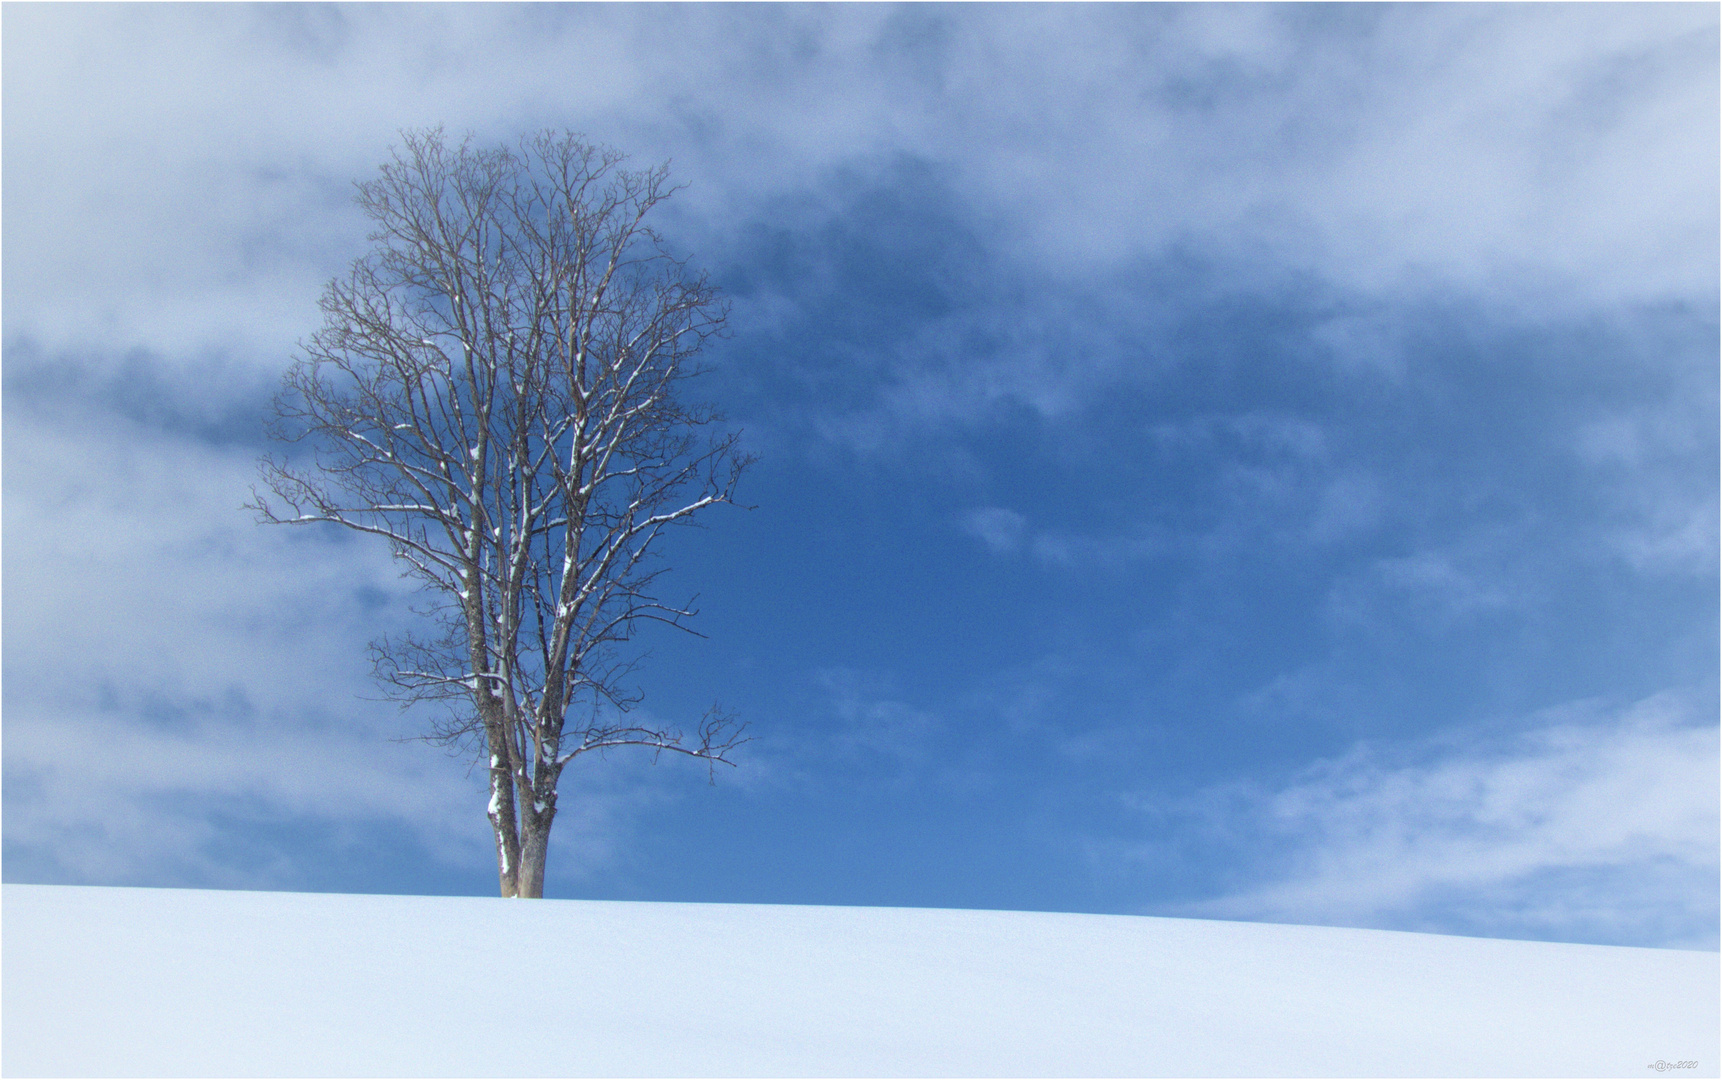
(520, 856)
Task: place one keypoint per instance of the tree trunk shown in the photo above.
(502, 823)
(534, 845)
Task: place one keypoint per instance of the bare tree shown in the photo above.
(496, 392)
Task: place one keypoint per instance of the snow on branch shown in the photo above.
(498, 389)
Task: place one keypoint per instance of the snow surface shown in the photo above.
(150, 982)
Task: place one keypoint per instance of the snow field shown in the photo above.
(152, 982)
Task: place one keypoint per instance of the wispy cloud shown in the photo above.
(181, 681)
(1432, 577)
(873, 720)
(171, 663)
(1544, 154)
(1174, 326)
(1591, 824)
(1662, 512)
(1006, 532)
(999, 528)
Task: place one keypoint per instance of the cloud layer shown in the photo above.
(1151, 399)
(1590, 817)
(1490, 149)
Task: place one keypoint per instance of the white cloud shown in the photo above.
(1348, 504)
(177, 180)
(1662, 509)
(177, 177)
(111, 799)
(1105, 551)
(1594, 824)
(1478, 148)
(166, 653)
(128, 555)
(1481, 575)
(1432, 576)
(1677, 536)
(1006, 532)
(1000, 529)
(873, 720)
(1275, 435)
(171, 664)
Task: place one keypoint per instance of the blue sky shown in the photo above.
(1246, 462)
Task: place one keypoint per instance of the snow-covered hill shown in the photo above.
(150, 982)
